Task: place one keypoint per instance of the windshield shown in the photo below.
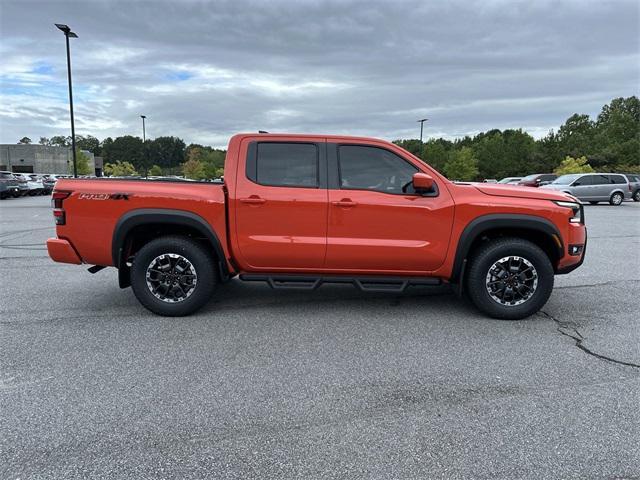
(531, 177)
(565, 179)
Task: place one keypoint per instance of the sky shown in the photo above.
(206, 70)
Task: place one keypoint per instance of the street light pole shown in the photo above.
(69, 34)
(143, 132)
(422, 120)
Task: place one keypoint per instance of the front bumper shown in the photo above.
(569, 263)
(62, 251)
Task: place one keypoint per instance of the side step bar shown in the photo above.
(366, 284)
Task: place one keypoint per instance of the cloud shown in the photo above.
(205, 70)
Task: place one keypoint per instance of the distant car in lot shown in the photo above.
(490, 180)
(594, 187)
(537, 179)
(47, 182)
(23, 185)
(8, 185)
(510, 180)
(634, 185)
(34, 185)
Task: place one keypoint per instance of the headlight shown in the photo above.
(578, 215)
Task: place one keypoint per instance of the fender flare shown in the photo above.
(142, 216)
(484, 223)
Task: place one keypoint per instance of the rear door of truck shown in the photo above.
(281, 203)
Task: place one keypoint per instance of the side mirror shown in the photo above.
(422, 182)
(538, 180)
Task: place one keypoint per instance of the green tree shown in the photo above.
(60, 141)
(574, 165)
(44, 141)
(155, 171)
(193, 169)
(436, 153)
(411, 145)
(25, 140)
(89, 143)
(82, 163)
(125, 149)
(461, 165)
(119, 169)
(167, 152)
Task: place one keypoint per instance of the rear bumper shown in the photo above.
(62, 251)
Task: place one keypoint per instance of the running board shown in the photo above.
(366, 284)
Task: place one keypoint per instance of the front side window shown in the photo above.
(585, 180)
(372, 168)
(287, 164)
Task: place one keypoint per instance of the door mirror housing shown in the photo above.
(422, 182)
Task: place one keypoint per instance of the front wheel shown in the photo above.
(616, 199)
(509, 278)
(636, 196)
(173, 276)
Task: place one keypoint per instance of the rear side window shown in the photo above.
(286, 165)
(371, 168)
(617, 179)
(599, 180)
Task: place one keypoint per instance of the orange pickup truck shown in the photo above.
(297, 211)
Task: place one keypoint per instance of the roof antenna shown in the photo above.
(262, 131)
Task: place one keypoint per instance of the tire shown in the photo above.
(616, 199)
(480, 277)
(163, 251)
(636, 196)
(593, 203)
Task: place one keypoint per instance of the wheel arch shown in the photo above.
(136, 227)
(538, 230)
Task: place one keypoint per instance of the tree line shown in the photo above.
(611, 142)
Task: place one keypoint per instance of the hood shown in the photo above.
(520, 192)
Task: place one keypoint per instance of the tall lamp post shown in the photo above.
(143, 131)
(144, 146)
(422, 120)
(69, 34)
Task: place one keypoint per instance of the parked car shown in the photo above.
(47, 181)
(537, 179)
(510, 180)
(301, 210)
(490, 180)
(634, 185)
(23, 185)
(8, 185)
(594, 187)
(34, 184)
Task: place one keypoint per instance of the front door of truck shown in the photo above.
(280, 203)
(377, 224)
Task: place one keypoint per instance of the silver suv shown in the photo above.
(594, 187)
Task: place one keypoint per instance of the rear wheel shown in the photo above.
(509, 278)
(173, 276)
(616, 199)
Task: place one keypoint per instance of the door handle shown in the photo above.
(253, 199)
(345, 202)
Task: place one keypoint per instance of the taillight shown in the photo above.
(57, 197)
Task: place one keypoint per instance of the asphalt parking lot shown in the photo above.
(327, 384)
